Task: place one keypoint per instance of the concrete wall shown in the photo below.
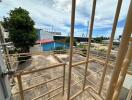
(5, 32)
(5, 90)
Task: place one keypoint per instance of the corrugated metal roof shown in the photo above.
(44, 41)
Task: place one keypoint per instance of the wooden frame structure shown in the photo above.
(21, 90)
(121, 55)
(123, 59)
(113, 90)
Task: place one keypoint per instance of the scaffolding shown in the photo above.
(124, 57)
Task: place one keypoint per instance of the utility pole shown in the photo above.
(52, 28)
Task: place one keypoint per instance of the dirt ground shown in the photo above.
(94, 73)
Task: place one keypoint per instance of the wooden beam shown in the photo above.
(111, 43)
(89, 41)
(81, 62)
(34, 86)
(71, 47)
(123, 73)
(47, 93)
(121, 53)
(41, 69)
(20, 87)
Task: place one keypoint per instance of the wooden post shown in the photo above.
(64, 79)
(111, 43)
(89, 41)
(71, 45)
(129, 94)
(123, 72)
(20, 86)
(121, 53)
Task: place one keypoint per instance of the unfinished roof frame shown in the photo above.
(123, 49)
(21, 90)
(123, 59)
(120, 56)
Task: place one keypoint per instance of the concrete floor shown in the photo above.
(41, 61)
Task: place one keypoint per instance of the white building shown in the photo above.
(108, 41)
(44, 35)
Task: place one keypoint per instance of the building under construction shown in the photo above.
(70, 76)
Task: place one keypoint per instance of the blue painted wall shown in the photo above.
(52, 45)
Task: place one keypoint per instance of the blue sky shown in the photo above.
(55, 14)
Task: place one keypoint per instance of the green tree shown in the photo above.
(21, 29)
(67, 40)
(99, 39)
(6, 23)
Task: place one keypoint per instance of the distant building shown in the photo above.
(105, 41)
(38, 33)
(44, 41)
(78, 39)
(55, 33)
(51, 36)
(108, 41)
(44, 35)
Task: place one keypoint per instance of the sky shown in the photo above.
(55, 15)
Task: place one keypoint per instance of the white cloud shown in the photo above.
(119, 31)
(46, 13)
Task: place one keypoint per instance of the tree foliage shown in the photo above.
(21, 29)
(67, 40)
(99, 39)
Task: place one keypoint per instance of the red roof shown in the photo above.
(44, 41)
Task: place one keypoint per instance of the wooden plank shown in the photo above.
(34, 86)
(20, 87)
(41, 69)
(47, 93)
(81, 62)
